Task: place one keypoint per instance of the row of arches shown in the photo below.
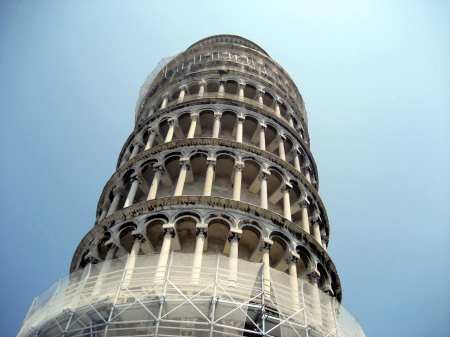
(217, 172)
(213, 85)
(227, 123)
(218, 231)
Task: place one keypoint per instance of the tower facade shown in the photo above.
(212, 224)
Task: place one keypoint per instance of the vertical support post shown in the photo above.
(263, 177)
(169, 233)
(185, 166)
(194, 119)
(137, 179)
(150, 140)
(233, 238)
(210, 166)
(198, 255)
(201, 89)
(238, 168)
(183, 89)
(304, 204)
(286, 202)
(172, 123)
(155, 183)
(262, 136)
(165, 100)
(239, 128)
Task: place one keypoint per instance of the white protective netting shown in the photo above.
(223, 297)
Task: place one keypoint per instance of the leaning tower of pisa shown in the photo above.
(211, 224)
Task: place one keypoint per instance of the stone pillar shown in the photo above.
(304, 204)
(201, 89)
(125, 157)
(198, 255)
(194, 119)
(136, 145)
(105, 269)
(291, 120)
(260, 94)
(238, 168)
(172, 123)
(221, 87)
(263, 177)
(239, 129)
(151, 112)
(216, 127)
(183, 89)
(293, 283)
(316, 229)
(262, 136)
(169, 233)
(286, 202)
(277, 108)
(185, 166)
(233, 238)
(324, 241)
(117, 192)
(165, 98)
(241, 90)
(155, 183)
(150, 140)
(138, 239)
(296, 154)
(210, 166)
(281, 139)
(104, 208)
(315, 298)
(266, 246)
(307, 169)
(137, 179)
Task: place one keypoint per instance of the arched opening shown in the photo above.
(155, 234)
(304, 261)
(274, 184)
(218, 230)
(228, 125)
(249, 243)
(231, 87)
(277, 252)
(249, 91)
(186, 231)
(194, 89)
(212, 87)
(125, 237)
(184, 123)
(250, 183)
(267, 99)
(206, 121)
(195, 178)
(223, 176)
(250, 130)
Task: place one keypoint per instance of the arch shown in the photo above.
(250, 242)
(218, 229)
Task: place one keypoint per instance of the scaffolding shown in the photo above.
(180, 299)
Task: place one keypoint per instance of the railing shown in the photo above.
(109, 299)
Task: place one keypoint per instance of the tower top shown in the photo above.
(226, 38)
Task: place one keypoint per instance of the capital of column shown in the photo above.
(241, 85)
(240, 119)
(201, 231)
(234, 236)
(138, 237)
(266, 245)
(159, 167)
(316, 218)
(113, 247)
(264, 175)
(105, 206)
(239, 166)
(202, 83)
(324, 239)
(165, 95)
(286, 188)
(169, 230)
(292, 258)
(183, 87)
(304, 202)
(211, 162)
(137, 142)
(172, 121)
(313, 277)
(262, 127)
(184, 162)
(281, 137)
(194, 116)
(136, 176)
(217, 115)
(260, 92)
(92, 260)
(118, 189)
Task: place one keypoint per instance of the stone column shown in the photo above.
(286, 202)
(315, 298)
(296, 154)
(198, 255)
(307, 169)
(304, 204)
(316, 229)
(216, 127)
(293, 283)
(150, 140)
(238, 168)
(117, 192)
(291, 120)
(185, 166)
(138, 239)
(260, 94)
(169, 233)
(281, 139)
(324, 241)
(105, 269)
(241, 90)
(137, 179)
(183, 89)
(155, 183)
(263, 177)
(266, 246)
(239, 128)
(233, 238)
(151, 112)
(210, 167)
(221, 87)
(104, 208)
(194, 119)
(125, 157)
(262, 136)
(165, 98)
(277, 107)
(172, 123)
(201, 89)
(136, 145)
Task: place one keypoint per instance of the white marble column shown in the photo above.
(263, 177)
(137, 179)
(155, 182)
(104, 269)
(286, 202)
(201, 89)
(136, 145)
(291, 120)
(262, 136)
(151, 112)
(315, 298)
(238, 168)
(293, 282)
(126, 156)
(239, 128)
(296, 154)
(304, 204)
(277, 108)
(241, 90)
(210, 167)
(183, 89)
(185, 166)
(324, 241)
(117, 193)
(194, 120)
(169, 233)
(281, 139)
(105, 207)
(165, 98)
(307, 169)
(138, 239)
(150, 140)
(266, 246)
(316, 230)
(260, 93)
(198, 255)
(233, 238)
(216, 127)
(221, 87)
(172, 123)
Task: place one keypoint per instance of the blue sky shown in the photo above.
(375, 77)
